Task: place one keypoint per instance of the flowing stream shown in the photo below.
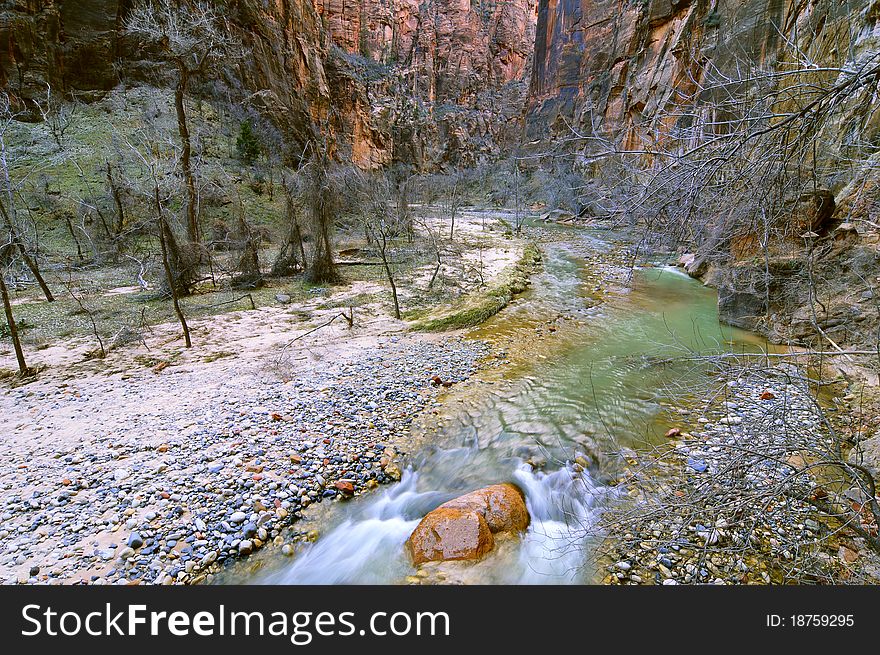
(576, 393)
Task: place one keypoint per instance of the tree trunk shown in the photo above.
(117, 200)
(192, 222)
(323, 268)
(516, 197)
(434, 274)
(13, 330)
(169, 275)
(453, 208)
(31, 264)
(383, 252)
(79, 252)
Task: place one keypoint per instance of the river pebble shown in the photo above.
(741, 447)
(218, 477)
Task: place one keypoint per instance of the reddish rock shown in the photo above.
(458, 48)
(501, 505)
(673, 432)
(463, 528)
(345, 487)
(450, 534)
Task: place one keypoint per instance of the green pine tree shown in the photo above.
(247, 144)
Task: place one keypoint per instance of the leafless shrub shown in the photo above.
(768, 480)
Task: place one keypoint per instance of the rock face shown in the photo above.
(424, 83)
(502, 506)
(450, 50)
(431, 82)
(68, 45)
(632, 73)
(79, 48)
(626, 67)
(463, 528)
(867, 454)
(450, 534)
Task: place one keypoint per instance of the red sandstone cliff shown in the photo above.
(391, 64)
(450, 49)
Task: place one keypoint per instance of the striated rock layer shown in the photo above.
(386, 81)
(631, 72)
(626, 67)
(449, 50)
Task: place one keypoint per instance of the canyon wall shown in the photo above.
(436, 82)
(632, 72)
(450, 50)
(424, 84)
(80, 49)
(625, 66)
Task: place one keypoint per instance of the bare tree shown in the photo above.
(57, 115)
(79, 298)
(247, 244)
(452, 197)
(323, 189)
(157, 167)
(116, 194)
(384, 220)
(291, 258)
(8, 212)
(10, 318)
(193, 38)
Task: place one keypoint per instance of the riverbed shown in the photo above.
(573, 397)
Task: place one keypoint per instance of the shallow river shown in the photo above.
(579, 392)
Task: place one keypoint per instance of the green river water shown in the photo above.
(581, 391)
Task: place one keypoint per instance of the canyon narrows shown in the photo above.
(440, 291)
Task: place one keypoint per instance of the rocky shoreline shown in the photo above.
(726, 502)
(232, 471)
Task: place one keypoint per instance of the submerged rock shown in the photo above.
(463, 528)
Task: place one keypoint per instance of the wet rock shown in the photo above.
(450, 534)
(360, 408)
(462, 528)
(501, 505)
(392, 470)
